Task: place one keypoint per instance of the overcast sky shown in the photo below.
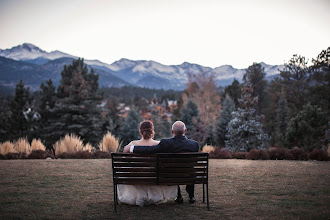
(208, 32)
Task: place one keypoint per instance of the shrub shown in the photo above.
(6, 147)
(257, 154)
(276, 153)
(38, 154)
(22, 145)
(101, 155)
(208, 148)
(15, 156)
(219, 153)
(318, 154)
(299, 154)
(239, 155)
(109, 143)
(289, 155)
(69, 144)
(37, 145)
(82, 155)
(2, 157)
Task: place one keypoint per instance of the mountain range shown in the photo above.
(34, 66)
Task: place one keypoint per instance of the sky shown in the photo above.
(207, 32)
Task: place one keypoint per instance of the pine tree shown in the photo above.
(47, 104)
(189, 113)
(4, 118)
(282, 117)
(234, 91)
(296, 79)
(130, 128)
(256, 75)
(196, 128)
(75, 110)
(112, 121)
(308, 128)
(225, 116)
(162, 126)
(320, 88)
(19, 125)
(245, 130)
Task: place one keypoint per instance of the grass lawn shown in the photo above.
(239, 189)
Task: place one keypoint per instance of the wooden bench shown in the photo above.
(160, 169)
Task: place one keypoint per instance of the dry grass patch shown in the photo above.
(109, 143)
(36, 144)
(207, 148)
(22, 146)
(69, 144)
(6, 148)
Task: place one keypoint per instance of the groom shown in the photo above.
(178, 144)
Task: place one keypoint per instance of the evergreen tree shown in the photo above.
(161, 124)
(189, 113)
(256, 75)
(47, 103)
(112, 121)
(196, 128)
(320, 88)
(75, 110)
(308, 128)
(234, 91)
(296, 79)
(4, 116)
(130, 128)
(19, 125)
(228, 107)
(282, 117)
(245, 130)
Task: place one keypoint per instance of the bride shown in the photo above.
(145, 194)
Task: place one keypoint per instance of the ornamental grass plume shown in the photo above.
(88, 147)
(109, 143)
(6, 148)
(37, 145)
(22, 145)
(69, 144)
(207, 148)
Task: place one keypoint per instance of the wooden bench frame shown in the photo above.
(160, 169)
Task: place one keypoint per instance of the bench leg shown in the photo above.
(207, 196)
(203, 193)
(115, 197)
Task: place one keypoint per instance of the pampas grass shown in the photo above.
(6, 148)
(37, 145)
(207, 148)
(88, 147)
(22, 145)
(109, 143)
(69, 144)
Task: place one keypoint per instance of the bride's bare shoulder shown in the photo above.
(155, 142)
(134, 142)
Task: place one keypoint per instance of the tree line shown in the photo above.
(291, 110)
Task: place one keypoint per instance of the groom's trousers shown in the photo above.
(190, 190)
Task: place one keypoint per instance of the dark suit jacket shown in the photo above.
(177, 144)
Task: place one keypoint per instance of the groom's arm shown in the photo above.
(144, 149)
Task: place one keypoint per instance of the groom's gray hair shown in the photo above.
(178, 128)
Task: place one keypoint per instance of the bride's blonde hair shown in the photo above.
(146, 129)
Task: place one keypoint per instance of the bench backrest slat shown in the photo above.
(161, 169)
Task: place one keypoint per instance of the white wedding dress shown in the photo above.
(145, 194)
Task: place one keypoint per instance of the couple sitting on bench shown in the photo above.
(156, 194)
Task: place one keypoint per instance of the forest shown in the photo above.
(290, 111)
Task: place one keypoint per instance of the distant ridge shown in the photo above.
(36, 65)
